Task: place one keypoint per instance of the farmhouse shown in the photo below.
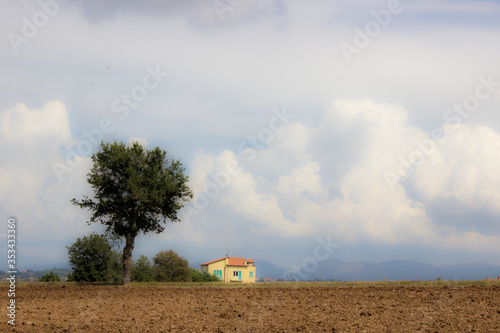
(231, 269)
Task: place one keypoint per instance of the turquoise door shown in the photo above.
(239, 275)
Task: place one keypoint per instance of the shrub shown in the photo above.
(92, 260)
(49, 277)
(168, 266)
(197, 276)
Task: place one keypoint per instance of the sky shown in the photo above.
(370, 126)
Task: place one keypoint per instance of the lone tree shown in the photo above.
(134, 190)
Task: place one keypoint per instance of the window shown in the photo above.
(218, 273)
(237, 274)
(250, 274)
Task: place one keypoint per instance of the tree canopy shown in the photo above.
(135, 190)
(168, 266)
(90, 258)
(142, 270)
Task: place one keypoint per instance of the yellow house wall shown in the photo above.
(219, 265)
(245, 273)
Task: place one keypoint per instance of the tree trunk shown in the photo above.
(127, 257)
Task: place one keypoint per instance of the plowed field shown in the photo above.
(74, 308)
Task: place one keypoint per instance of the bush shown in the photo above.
(92, 260)
(142, 270)
(197, 276)
(168, 266)
(49, 277)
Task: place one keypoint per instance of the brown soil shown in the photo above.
(73, 308)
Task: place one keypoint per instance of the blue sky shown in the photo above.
(374, 124)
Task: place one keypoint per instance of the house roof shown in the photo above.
(209, 262)
(232, 261)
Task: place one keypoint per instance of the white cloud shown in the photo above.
(466, 168)
(303, 181)
(50, 123)
(29, 188)
(359, 206)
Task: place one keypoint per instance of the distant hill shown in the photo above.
(24, 261)
(397, 270)
(369, 271)
(265, 268)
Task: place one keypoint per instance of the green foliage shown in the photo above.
(142, 270)
(197, 276)
(135, 190)
(115, 267)
(90, 257)
(49, 277)
(31, 275)
(168, 266)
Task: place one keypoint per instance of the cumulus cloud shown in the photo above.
(51, 122)
(33, 138)
(313, 195)
(29, 189)
(463, 172)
